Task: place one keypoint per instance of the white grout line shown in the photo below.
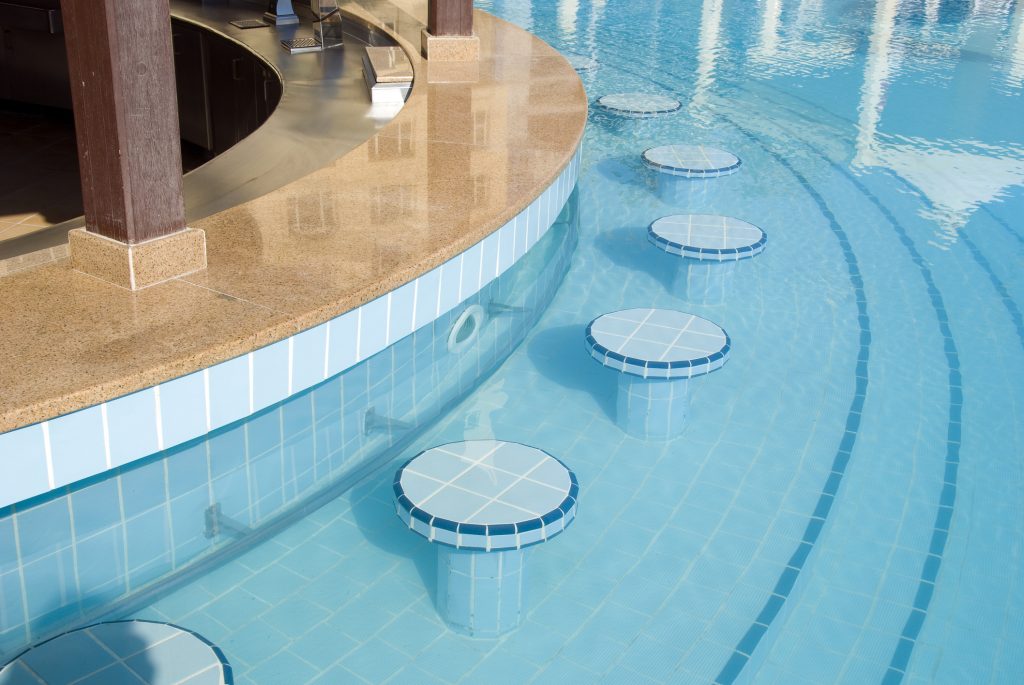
(251, 389)
(106, 434)
(327, 349)
(49, 454)
(291, 363)
(206, 398)
(159, 418)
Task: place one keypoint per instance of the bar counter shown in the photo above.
(473, 147)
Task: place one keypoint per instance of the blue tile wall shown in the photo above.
(100, 537)
(77, 448)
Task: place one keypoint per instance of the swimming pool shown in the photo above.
(844, 503)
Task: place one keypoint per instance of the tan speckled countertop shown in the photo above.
(473, 146)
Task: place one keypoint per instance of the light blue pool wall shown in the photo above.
(52, 454)
(68, 554)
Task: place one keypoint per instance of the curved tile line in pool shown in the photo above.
(69, 448)
(947, 497)
(69, 557)
(903, 651)
(787, 580)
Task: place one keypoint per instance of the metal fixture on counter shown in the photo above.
(280, 13)
(327, 27)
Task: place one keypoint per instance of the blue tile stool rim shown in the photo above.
(639, 113)
(226, 672)
(488, 537)
(707, 254)
(691, 172)
(651, 369)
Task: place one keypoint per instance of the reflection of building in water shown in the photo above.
(804, 43)
(954, 173)
(567, 10)
(768, 44)
(1015, 73)
(708, 49)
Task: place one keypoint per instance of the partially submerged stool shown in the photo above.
(678, 166)
(638, 105)
(483, 502)
(656, 352)
(121, 652)
(710, 246)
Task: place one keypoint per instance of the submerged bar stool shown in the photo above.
(121, 652)
(656, 352)
(681, 168)
(710, 246)
(483, 502)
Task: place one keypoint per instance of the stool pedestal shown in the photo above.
(704, 282)
(480, 593)
(652, 407)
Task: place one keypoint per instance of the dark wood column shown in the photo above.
(126, 116)
(450, 17)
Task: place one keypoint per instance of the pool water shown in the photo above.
(846, 501)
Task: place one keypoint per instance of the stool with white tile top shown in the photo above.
(638, 105)
(710, 246)
(656, 352)
(121, 652)
(691, 161)
(483, 502)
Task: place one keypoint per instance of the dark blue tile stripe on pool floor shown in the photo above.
(787, 580)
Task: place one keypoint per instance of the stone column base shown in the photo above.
(138, 266)
(449, 48)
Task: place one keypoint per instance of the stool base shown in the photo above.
(652, 408)
(480, 593)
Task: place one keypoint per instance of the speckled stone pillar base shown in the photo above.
(480, 593)
(652, 408)
(449, 48)
(704, 282)
(141, 265)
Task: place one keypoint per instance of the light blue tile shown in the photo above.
(187, 469)
(229, 391)
(174, 660)
(8, 550)
(188, 524)
(343, 343)
(522, 230)
(227, 451)
(489, 257)
(506, 246)
(270, 375)
(183, 409)
(471, 268)
(11, 607)
(75, 656)
(23, 463)
(283, 667)
(426, 297)
(49, 580)
(133, 430)
(373, 327)
(308, 358)
(148, 538)
(101, 563)
(143, 487)
(76, 446)
(402, 312)
(451, 284)
(44, 528)
(96, 507)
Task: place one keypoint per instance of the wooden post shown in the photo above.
(121, 65)
(126, 117)
(450, 17)
(449, 33)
